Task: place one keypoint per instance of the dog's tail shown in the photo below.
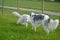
(16, 14)
(54, 24)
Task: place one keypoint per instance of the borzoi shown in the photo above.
(48, 24)
(23, 19)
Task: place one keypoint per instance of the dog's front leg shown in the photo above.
(26, 25)
(35, 29)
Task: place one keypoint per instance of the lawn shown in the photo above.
(9, 30)
(51, 6)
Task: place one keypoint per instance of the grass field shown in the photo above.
(52, 6)
(9, 30)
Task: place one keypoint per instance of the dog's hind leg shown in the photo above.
(45, 26)
(35, 29)
(46, 29)
(18, 22)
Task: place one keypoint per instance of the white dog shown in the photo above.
(48, 24)
(23, 19)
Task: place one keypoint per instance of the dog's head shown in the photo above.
(36, 17)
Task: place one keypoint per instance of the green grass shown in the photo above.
(51, 6)
(9, 30)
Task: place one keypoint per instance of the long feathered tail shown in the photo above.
(54, 24)
(16, 14)
(57, 23)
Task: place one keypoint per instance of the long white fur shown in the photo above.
(52, 25)
(23, 19)
(16, 14)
